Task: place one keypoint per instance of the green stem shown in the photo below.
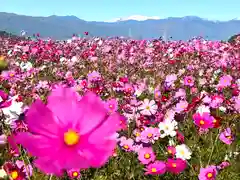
(213, 147)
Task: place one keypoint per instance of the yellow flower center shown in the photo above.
(126, 147)
(148, 108)
(150, 135)
(147, 156)
(229, 137)
(71, 137)
(202, 122)
(170, 151)
(75, 174)
(182, 152)
(209, 175)
(137, 134)
(11, 74)
(14, 175)
(214, 121)
(154, 170)
(174, 165)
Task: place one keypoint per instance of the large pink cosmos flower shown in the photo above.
(204, 120)
(68, 133)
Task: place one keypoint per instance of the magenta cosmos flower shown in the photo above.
(204, 120)
(176, 166)
(111, 105)
(208, 173)
(156, 168)
(68, 133)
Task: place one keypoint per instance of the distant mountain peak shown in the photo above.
(134, 17)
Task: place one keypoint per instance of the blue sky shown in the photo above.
(102, 10)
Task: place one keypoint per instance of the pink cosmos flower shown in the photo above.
(126, 144)
(156, 168)
(223, 165)
(189, 81)
(71, 134)
(225, 81)
(74, 173)
(111, 105)
(170, 79)
(237, 104)
(176, 166)
(208, 173)
(3, 139)
(150, 134)
(94, 76)
(171, 150)
(204, 120)
(226, 136)
(181, 106)
(27, 169)
(146, 155)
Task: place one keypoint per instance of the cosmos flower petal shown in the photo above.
(36, 145)
(63, 102)
(48, 166)
(93, 113)
(40, 114)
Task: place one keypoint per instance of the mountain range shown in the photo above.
(63, 27)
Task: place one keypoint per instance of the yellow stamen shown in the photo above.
(209, 175)
(14, 175)
(126, 147)
(174, 165)
(150, 135)
(71, 138)
(75, 174)
(147, 156)
(202, 122)
(154, 170)
(137, 134)
(229, 137)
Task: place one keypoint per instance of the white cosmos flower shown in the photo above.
(12, 112)
(167, 128)
(183, 152)
(26, 66)
(203, 109)
(3, 173)
(222, 108)
(148, 107)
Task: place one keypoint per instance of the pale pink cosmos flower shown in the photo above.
(225, 81)
(127, 144)
(181, 106)
(226, 136)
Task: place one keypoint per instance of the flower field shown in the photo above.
(115, 109)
